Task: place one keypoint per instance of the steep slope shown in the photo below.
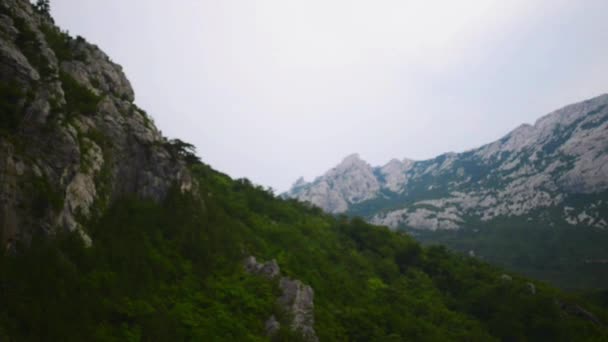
(352, 181)
(171, 246)
(552, 174)
(72, 140)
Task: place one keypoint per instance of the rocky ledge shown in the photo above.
(296, 300)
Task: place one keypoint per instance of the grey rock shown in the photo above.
(269, 270)
(563, 155)
(80, 158)
(352, 181)
(296, 300)
(272, 326)
(576, 310)
(532, 288)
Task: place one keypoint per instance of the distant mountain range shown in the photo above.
(550, 174)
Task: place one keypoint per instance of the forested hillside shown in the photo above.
(112, 232)
(174, 271)
(534, 201)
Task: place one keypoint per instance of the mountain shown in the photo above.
(564, 155)
(551, 174)
(112, 232)
(72, 139)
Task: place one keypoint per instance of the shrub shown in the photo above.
(79, 99)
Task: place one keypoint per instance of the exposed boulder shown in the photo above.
(296, 300)
(531, 287)
(577, 310)
(268, 270)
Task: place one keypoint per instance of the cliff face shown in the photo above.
(71, 138)
(352, 181)
(559, 162)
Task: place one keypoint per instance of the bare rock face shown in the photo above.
(297, 299)
(268, 270)
(553, 163)
(71, 138)
(395, 174)
(352, 181)
(577, 310)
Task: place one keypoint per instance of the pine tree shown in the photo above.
(43, 6)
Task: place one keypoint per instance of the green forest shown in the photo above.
(174, 272)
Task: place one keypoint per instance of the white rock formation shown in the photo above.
(564, 154)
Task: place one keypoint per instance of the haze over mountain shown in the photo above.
(533, 167)
(550, 177)
(112, 232)
(313, 81)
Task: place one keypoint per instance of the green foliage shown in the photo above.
(12, 96)
(173, 272)
(45, 197)
(596, 123)
(43, 7)
(30, 46)
(571, 257)
(60, 43)
(79, 99)
(183, 150)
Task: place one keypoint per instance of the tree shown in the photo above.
(184, 150)
(43, 6)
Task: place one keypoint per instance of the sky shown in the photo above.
(272, 90)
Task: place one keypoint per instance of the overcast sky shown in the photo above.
(276, 89)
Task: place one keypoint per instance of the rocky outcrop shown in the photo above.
(352, 181)
(561, 161)
(71, 138)
(578, 311)
(296, 300)
(268, 270)
(394, 174)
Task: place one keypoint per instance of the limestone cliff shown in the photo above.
(71, 138)
(560, 162)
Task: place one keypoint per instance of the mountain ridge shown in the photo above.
(576, 164)
(171, 246)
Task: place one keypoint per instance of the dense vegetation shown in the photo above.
(173, 271)
(571, 257)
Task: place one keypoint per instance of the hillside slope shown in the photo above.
(72, 140)
(494, 201)
(563, 156)
(115, 233)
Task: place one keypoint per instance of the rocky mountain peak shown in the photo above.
(299, 182)
(563, 155)
(352, 161)
(351, 181)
